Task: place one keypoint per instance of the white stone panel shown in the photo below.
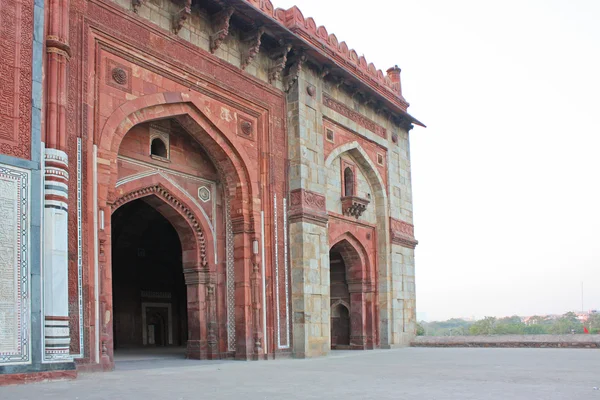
(15, 297)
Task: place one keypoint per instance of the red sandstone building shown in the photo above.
(220, 176)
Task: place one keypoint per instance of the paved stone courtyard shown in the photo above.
(424, 373)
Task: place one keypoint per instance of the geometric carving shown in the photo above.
(14, 266)
(354, 116)
(308, 206)
(204, 194)
(16, 78)
(230, 278)
(402, 233)
(245, 128)
(119, 75)
(311, 90)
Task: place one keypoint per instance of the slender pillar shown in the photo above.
(256, 301)
(56, 185)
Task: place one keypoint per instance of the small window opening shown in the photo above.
(329, 135)
(158, 148)
(348, 182)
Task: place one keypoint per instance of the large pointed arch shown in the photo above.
(187, 220)
(233, 166)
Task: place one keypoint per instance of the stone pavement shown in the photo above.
(423, 373)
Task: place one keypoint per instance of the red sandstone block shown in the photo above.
(14, 379)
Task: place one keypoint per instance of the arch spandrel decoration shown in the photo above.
(165, 195)
(230, 162)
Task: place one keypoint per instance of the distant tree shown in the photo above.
(540, 320)
(510, 320)
(593, 323)
(536, 329)
(484, 326)
(420, 330)
(565, 324)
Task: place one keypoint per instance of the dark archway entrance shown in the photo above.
(149, 291)
(340, 299)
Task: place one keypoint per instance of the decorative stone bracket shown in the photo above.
(220, 23)
(279, 59)
(182, 15)
(354, 206)
(252, 40)
(294, 71)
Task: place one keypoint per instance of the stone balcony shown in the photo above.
(354, 206)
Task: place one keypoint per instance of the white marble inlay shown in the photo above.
(14, 266)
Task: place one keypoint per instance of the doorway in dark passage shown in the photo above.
(149, 292)
(340, 299)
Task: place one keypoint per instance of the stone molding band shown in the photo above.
(55, 45)
(402, 233)
(307, 206)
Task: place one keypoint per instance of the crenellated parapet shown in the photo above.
(338, 53)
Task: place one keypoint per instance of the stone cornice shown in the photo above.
(329, 53)
(342, 109)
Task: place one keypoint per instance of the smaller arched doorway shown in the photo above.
(149, 291)
(340, 326)
(351, 296)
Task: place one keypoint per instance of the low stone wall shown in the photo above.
(539, 341)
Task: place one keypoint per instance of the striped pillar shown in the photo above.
(55, 267)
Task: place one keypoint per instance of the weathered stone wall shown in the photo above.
(197, 30)
(383, 174)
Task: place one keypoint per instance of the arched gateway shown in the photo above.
(229, 179)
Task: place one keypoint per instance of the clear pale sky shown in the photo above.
(506, 177)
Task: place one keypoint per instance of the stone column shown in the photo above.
(256, 301)
(308, 221)
(56, 179)
(199, 283)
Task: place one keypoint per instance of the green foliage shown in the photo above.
(568, 323)
(486, 326)
(420, 330)
(593, 323)
(536, 325)
(536, 329)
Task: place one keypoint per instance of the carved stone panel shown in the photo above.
(14, 266)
